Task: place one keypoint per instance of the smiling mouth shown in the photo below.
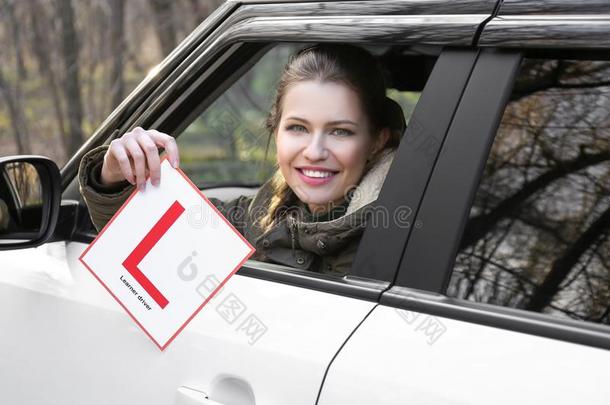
(317, 174)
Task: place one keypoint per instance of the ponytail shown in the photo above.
(395, 120)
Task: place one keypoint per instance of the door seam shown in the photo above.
(339, 350)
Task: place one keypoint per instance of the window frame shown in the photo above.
(375, 265)
(245, 26)
(423, 278)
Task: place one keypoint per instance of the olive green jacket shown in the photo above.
(295, 240)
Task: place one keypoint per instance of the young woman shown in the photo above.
(335, 132)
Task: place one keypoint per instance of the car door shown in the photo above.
(502, 292)
(271, 332)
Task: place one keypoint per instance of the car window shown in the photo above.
(228, 144)
(537, 236)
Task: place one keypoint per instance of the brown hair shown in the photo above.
(340, 63)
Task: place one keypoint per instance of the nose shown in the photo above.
(316, 148)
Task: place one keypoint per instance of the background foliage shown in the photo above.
(64, 65)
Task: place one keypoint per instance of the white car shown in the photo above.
(491, 287)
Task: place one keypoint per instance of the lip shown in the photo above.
(319, 168)
(315, 181)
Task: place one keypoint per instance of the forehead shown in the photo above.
(328, 101)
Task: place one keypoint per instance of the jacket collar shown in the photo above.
(327, 237)
(370, 185)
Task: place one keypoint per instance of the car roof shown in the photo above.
(279, 1)
(508, 7)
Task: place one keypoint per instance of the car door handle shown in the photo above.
(190, 396)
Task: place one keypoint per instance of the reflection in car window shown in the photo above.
(537, 237)
(26, 183)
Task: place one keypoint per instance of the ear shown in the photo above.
(382, 139)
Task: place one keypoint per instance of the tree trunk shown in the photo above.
(117, 28)
(163, 11)
(41, 52)
(20, 130)
(15, 34)
(479, 226)
(71, 83)
(563, 265)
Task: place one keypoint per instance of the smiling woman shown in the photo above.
(335, 132)
(321, 158)
(331, 119)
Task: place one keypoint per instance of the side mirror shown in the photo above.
(29, 200)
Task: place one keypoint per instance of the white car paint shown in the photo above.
(66, 341)
(403, 357)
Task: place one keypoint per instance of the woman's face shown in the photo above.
(323, 142)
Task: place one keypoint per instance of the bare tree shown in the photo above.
(8, 7)
(117, 28)
(198, 10)
(538, 235)
(18, 123)
(40, 47)
(71, 83)
(165, 27)
(563, 265)
(478, 226)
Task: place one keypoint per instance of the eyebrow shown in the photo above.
(330, 123)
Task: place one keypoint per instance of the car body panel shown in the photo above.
(405, 6)
(69, 338)
(549, 24)
(557, 7)
(399, 356)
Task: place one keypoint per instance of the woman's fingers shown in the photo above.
(136, 154)
(118, 151)
(138, 158)
(152, 157)
(168, 143)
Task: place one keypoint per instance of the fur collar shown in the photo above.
(368, 189)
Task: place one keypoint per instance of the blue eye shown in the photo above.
(344, 132)
(293, 127)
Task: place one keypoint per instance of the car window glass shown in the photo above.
(537, 236)
(227, 142)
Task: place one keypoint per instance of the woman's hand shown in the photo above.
(135, 155)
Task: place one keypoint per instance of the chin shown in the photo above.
(322, 201)
(309, 199)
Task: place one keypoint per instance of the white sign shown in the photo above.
(154, 258)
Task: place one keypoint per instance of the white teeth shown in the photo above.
(316, 173)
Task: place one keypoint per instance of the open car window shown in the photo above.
(224, 145)
(227, 144)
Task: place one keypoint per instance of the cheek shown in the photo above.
(352, 157)
(287, 149)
